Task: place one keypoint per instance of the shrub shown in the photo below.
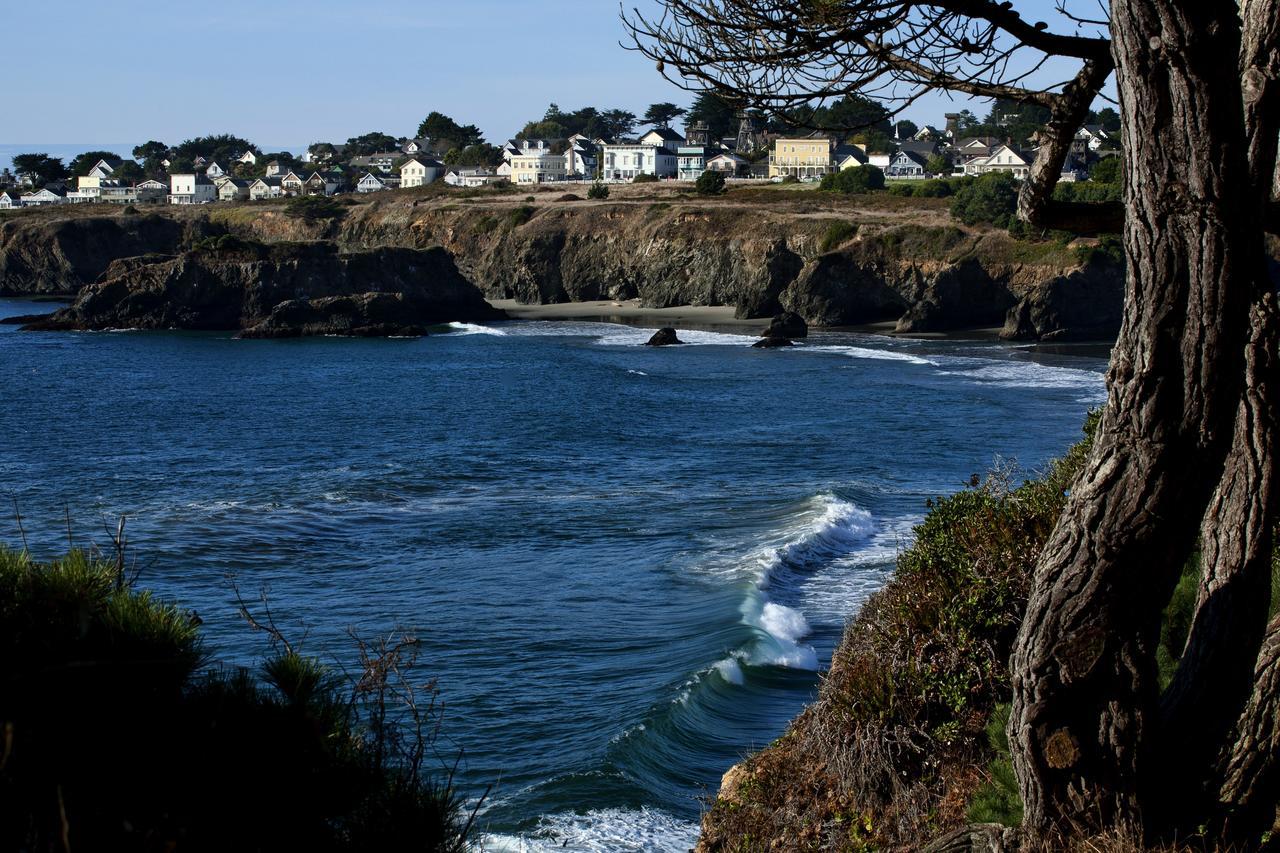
(130, 210)
(529, 198)
(709, 182)
(598, 191)
(1108, 170)
(519, 215)
(644, 178)
(1088, 191)
(111, 734)
(855, 181)
(313, 208)
(991, 199)
(998, 800)
(837, 234)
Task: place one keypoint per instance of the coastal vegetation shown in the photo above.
(118, 732)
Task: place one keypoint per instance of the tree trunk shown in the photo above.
(1083, 670)
(1216, 674)
(1251, 776)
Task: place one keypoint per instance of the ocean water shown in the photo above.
(627, 566)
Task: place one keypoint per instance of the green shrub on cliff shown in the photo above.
(314, 208)
(644, 178)
(991, 200)
(837, 233)
(709, 182)
(598, 191)
(520, 215)
(113, 735)
(854, 181)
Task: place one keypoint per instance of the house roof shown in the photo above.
(665, 133)
(919, 147)
(914, 156)
(844, 152)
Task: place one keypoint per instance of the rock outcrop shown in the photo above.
(283, 290)
(773, 342)
(788, 324)
(664, 337)
(1085, 305)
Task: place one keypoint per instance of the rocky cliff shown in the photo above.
(831, 265)
(282, 290)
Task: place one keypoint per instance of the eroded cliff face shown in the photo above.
(283, 290)
(759, 259)
(61, 256)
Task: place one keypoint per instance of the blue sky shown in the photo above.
(285, 73)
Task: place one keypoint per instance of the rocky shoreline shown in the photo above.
(761, 260)
(285, 290)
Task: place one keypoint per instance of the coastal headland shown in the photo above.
(833, 260)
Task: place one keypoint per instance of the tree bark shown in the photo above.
(1251, 776)
(1083, 669)
(1216, 674)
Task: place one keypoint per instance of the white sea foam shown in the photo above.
(1032, 374)
(637, 373)
(729, 670)
(643, 830)
(475, 329)
(874, 354)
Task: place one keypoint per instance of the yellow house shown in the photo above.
(537, 167)
(805, 157)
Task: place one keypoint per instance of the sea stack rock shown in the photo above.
(663, 338)
(788, 324)
(773, 343)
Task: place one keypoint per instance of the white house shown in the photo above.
(372, 183)
(153, 185)
(248, 157)
(213, 170)
(728, 163)
(43, 197)
(191, 189)
(582, 159)
(1002, 159)
(623, 161)
(10, 199)
(906, 164)
(275, 169)
(537, 166)
(416, 146)
(265, 188)
(456, 177)
(420, 171)
(233, 189)
(1093, 136)
(663, 136)
(691, 161)
(103, 170)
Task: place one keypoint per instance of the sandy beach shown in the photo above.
(633, 313)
